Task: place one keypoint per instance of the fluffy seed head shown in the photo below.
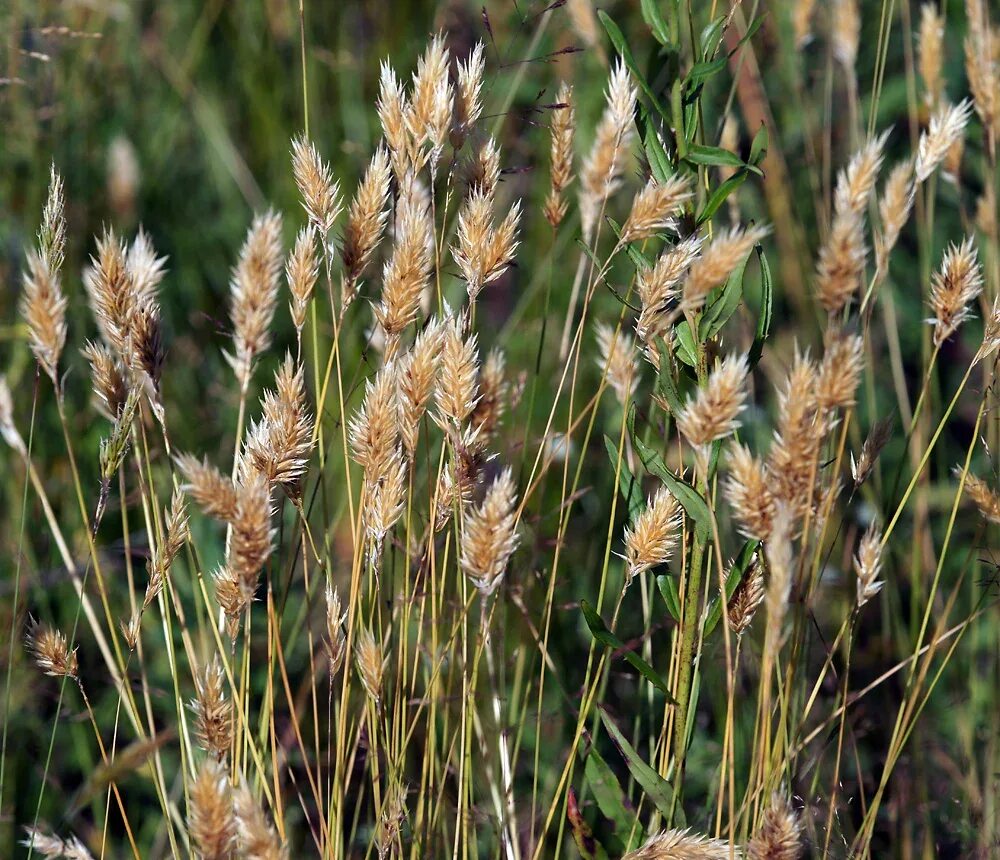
(868, 565)
(211, 820)
(929, 54)
(946, 127)
(651, 540)
(366, 217)
(711, 413)
(212, 491)
(48, 845)
(616, 360)
(984, 498)
(654, 208)
(747, 597)
(51, 651)
(257, 838)
(562, 127)
(840, 372)
(953, 289)
(253, 292)
(748, 490)
(468, 98)
(107, 379)
(490, 537)
(682, 845)
(457, 389)
(416, 377)
(894, 209)
(657, 288)
(718, 260)
(373, 431)
(370, 663)
(856, 181)
(779, 836)
(213, 711)
(484, 252)
(841, 262)
(301, 272)
(320, 193)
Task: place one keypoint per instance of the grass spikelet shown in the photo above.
(370, 664)
(981, 67)
(249, 548)
(416, 377)
(657, 288)
(490, 536)
(43, 304)
(651, 540)
(107, 379)
(387, 834)
(406, 274)
(983, 497)
(946, 127)
(874, 442)
(213, 725)
(384, 504)
(51, 651)
(392, 109)
(468, 97)
(954, 287)
(211, 820)
(484, 252)
(319, 191)
(366, 219)
(457, 389)
(373, 431)
(562, 127)
(894, 209)
(213, 492)
(929, 55)
(301, 273)
(746, 599)
(604, 165)
(48, 845)
(840, 372)
(682, 845)
(493, 387)
(654, 207)
(430, 110)
(855, 183)
(717, 261)
(748, 490)
(616, 359)
(336, 641)
(482, 169)
(779, 836)
(868, 565)
(257, 837)
(253, 293)
(111, 290)
(797, 438)
(711, 413)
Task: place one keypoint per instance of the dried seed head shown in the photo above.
(953, 288)
(374, 429)
(253, 293)
(391, 819)
(384, 501)
(682, 845)
(711, 413)
(176, 534)
(370, 663)
(392, 110)
(457, 389)
(929, 54)
(856, 182)
(416, 377)
(894, 210)
(366, 217)
(779, 836)
(991, 334)
(482, 171)
(984, 498)
(429, 114)
(484, 252)
(616, 360)
(408, 271)
(301, 272)
(657, 288)
(876, 440)
(492, 396)
(111, 290)
(868, 565)
(562, 127)
(717, 261)
(107, 379)
(747, 597)
(982, 66)
(468, 96)
(278, 444)
(257, 837)
(796, 442)
(748, 490)
(211, 820)
(946, 127)
(604, 165)
(213, 491)
(840, 372)
(48, 845)
(841, 263)
(490, 535)
(320, 193)
(846, 32)
(51, 651)
(213, 712)
(335, 639)
(654, 207)
(651, 539)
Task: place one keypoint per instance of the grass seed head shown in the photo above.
(211, 819)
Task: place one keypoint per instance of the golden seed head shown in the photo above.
(652, 538)
(746, 599)
(616, 359)
(868, 565)
(682, 845)
(983, 497)
(711, 413)
(336, 641)
(657, 288)
(840, 372)
(213, 712)
(320, 193)
(654, 207)
(562, 127)
(748, 490)
(717, 261)
(954, 287)
(370, 663)
(301, 273)
(213, 491)
(257, 837)
(946, 127)
(490, 535)
(374, 430)
(366, 217)
(779, 835)
(457, 390)
(51, 651)
(483, 252)
(468, 95)
(211, 820)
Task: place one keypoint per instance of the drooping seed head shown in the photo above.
(946, 127)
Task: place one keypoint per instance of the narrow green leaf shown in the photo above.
(611, 799)
(733, 579)
(755, 25)
(657, 789)
(701, 72)
(720, 308)
(711, 36)
(715, 156)
(758, 149)
(686, 495)
(719, 195)
(654, 18)
(764, 320)
(629, 486)
(656, 155)
(621, 46)
(665, 387)
(686, 350)
(600, 632)
(668, 590)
